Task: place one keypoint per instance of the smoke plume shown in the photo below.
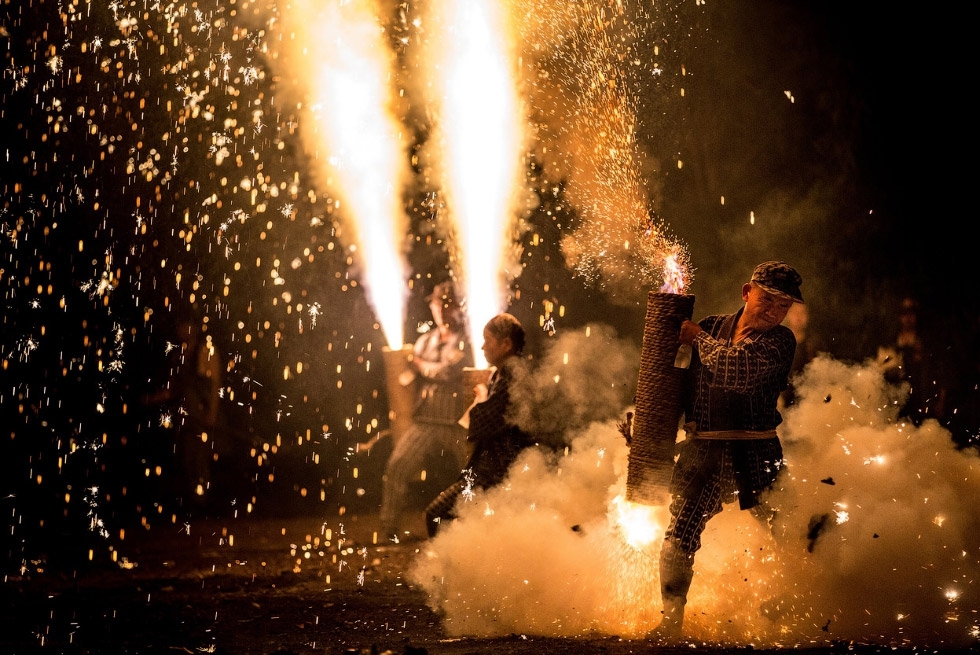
(585, 376)
(876, 539)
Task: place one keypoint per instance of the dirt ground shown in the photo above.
(259, 587)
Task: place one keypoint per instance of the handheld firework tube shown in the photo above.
(658, 400)
(472, 377)
(401, 397)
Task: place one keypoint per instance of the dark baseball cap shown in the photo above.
(779, 279)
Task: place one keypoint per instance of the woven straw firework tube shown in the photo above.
(401, 397)
(471, 377)
(658, 399)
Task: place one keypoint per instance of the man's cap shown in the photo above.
(446, 291)
(779, 279)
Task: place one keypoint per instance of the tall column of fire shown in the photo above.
(357, 139)
(469, 64)
(658, 399)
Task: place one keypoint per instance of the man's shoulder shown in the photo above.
(780, 334)
(708, 322)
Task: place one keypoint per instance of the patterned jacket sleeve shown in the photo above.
(750, 363)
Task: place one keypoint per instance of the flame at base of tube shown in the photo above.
(639, 524)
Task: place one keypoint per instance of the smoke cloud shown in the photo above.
(585, 376)
(876, 539)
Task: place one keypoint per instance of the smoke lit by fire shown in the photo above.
(857, 510)
(152, 171)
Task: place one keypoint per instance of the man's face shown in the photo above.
(763, 310)
(496, 350)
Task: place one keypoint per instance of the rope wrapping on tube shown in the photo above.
(658, 399)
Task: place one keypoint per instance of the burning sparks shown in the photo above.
(152, 171)
(641, 525)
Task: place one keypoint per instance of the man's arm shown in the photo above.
(743, 366)
(487, 418)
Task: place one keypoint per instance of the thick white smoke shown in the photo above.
(552, 402)
(876, 540)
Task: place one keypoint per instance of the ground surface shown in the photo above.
(259, 587)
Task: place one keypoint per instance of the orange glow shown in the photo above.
(640, 525)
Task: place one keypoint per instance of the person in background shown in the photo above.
(740, 364)
(807, 348)
(196, 388)
(496, 442)
(908, 360)
(438, 359)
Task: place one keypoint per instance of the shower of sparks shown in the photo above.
(151, 173)
(153, 170)
(470, 60)
(621, 244)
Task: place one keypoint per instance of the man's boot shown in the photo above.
(676, 572)
(671, 627)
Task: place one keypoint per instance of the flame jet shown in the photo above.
(467, 56)
(359, 142)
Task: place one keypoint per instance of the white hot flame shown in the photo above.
(640, 525)
(471, 65)
(674, 275)
(365, 163)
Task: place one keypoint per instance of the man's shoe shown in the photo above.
(671, 627)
